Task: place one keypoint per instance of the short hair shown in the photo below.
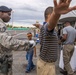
(29, 34)
(67, 22)
(48, 11)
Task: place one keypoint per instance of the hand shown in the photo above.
(27, 47)
(63, 7)
(37, 25)
(31, 45)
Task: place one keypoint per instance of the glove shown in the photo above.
(31, 45)
(27, 46)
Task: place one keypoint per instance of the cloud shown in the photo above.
(28, 12)
(27, 7)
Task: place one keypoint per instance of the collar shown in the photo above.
(44, 23)
(2, 26)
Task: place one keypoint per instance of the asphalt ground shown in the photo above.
(19, 63)
(19, 60)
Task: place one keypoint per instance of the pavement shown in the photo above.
(19, 63)
(19, 60)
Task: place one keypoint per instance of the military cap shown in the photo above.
(5, 9)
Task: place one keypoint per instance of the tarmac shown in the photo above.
(19, 63)
(19, 60)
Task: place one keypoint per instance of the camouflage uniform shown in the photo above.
(8, 43)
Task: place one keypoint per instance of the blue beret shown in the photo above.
(5, 9)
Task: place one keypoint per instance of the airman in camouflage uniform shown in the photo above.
(8, 43)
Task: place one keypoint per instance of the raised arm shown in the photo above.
(59, 8)
(37, 25)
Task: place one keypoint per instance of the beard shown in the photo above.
(6, 19)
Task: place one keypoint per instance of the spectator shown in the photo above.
(37, 37)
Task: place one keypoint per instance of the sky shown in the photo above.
(27, 12)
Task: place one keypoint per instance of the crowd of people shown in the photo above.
(48, 40)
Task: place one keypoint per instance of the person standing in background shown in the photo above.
(68, 39)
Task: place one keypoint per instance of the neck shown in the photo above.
(30, 39)
(47, 20)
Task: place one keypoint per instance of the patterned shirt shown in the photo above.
(49, 44)
(8, 43)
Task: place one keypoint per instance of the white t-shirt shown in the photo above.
(32, 42)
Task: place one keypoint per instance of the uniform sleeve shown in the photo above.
(12, 43)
